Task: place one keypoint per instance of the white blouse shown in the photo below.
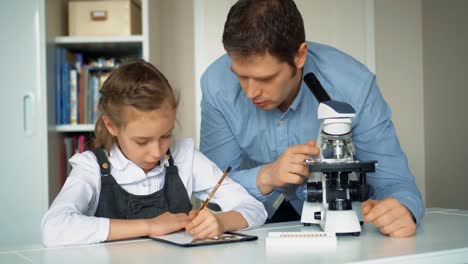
(70, 220)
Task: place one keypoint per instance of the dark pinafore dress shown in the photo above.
(116, 203)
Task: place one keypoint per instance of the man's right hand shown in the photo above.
(288, 168)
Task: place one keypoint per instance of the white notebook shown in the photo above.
(300, 241)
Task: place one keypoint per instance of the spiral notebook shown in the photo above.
(294, 241)
(185, 240)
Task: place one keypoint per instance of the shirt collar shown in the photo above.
(120, 162)
(309, 66)
(117, 159)
(296, 102)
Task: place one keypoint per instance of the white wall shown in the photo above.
(209, 16)
(445, 43)
(398, 45)
(341, 24)
(172, 51)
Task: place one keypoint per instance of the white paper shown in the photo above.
(181, 237)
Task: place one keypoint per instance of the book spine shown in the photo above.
(85, 95)
(80, 96)
(73, 97)
(58, 87)
(68, 143)
(81, 143)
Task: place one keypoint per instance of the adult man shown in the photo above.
(259, 117)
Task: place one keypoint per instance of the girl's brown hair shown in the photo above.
(136, 83)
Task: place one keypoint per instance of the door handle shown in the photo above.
(28, 106)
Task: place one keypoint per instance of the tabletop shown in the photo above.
(441, 237)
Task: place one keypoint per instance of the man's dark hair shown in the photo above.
(260, 26)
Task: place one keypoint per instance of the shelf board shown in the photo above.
(71, 40)
(123, 46)
(75, 128)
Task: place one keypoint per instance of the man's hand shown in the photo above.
(390, 216)
(288, 168)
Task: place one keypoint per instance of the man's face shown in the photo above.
(266, 81)
(144, 138)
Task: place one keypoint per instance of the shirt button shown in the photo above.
(281, 122)
(144, 184)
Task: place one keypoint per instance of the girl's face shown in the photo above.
(144, 136)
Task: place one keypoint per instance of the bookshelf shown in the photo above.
(143, 45)
(115, 40)
(74, 128)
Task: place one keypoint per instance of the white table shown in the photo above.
(442, 237)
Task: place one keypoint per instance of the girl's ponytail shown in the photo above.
(103, 138)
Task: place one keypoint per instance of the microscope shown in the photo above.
(331, 191)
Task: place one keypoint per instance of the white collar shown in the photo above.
(120, 162)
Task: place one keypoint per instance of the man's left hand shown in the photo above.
(390, 216)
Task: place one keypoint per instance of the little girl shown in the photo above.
(136, 183)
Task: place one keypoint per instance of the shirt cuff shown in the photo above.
(411, 202)
(255, 216)
(248, 179)
(103, 229)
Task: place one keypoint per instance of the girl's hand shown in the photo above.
(166, 223)
(205, 224)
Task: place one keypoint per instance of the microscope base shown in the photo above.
(341, 222)
(309, 210)
(338, 222)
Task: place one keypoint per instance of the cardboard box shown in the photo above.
(104, 18)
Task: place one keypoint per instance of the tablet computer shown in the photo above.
(185, 240)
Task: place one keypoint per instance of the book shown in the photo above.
(182, 239)
(58, 86)
(84, 97)
(81, 96)
(73, 97)
(68, 143)
(67, 63)
(287, 242)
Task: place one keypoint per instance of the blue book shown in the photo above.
(67, 93)
(63, 94)
(94, 89)
(68, 62)
(58, 87)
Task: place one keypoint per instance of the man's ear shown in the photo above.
(109, 125)
(301, 55)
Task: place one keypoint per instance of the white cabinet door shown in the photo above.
(23, 132)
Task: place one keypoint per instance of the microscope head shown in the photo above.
(335, 141)
(336, 117)
(335, 109)
(335, 136)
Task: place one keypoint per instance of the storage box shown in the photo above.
(104, 18)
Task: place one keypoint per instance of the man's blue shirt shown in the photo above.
(234, 132)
